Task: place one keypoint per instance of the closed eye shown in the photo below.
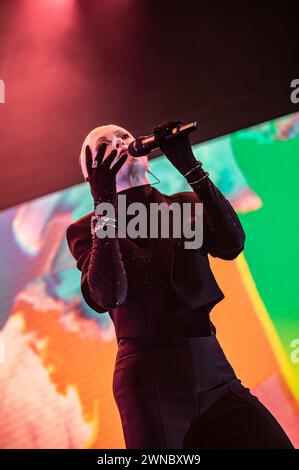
(103, 141)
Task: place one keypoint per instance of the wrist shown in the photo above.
(187, 163)
(107, 196)
(198, 175)
(106, 200)
(103, 191)
(100, 223)
(194, 169)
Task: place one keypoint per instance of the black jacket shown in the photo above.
(182, 306)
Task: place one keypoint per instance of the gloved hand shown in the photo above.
(177, 150)
(101, 178)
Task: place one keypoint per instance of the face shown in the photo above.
(118, 139)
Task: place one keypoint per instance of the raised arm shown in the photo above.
(105, 276)
(223, 235)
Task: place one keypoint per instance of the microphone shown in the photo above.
(145, 144)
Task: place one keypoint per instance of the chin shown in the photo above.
(140, 161)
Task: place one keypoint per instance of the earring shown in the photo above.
(150, 172)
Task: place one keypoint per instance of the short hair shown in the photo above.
(91, 140)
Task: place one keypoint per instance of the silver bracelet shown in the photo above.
(200, 179)
(104, 220)
(190, 171)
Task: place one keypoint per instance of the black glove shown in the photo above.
(106, 281)
(177, 150)
(102, 179)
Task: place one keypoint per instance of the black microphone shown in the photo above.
(145, 144)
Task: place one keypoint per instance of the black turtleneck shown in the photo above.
(142, 194)
(137, 193)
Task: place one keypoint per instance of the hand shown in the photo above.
(102, 178)
(177, 150)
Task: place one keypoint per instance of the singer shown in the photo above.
(172, 383)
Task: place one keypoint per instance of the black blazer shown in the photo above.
(180, 309)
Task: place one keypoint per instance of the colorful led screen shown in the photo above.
(57, 355)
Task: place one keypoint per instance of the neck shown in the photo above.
(130, 182)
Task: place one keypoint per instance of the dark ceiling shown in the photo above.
(71, 65)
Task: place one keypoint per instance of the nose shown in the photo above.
(118, 143)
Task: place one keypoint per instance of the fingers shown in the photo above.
(91, 165)
(116, 167)
(108, 160)
(100, 153)
(164, 130)
(88, 160)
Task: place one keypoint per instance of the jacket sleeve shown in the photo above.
(103, 279)
(223, 234)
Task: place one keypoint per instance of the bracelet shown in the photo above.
(190, 171)
(104, 220)
(200, 179)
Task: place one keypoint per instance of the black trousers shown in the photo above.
(183, 393)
